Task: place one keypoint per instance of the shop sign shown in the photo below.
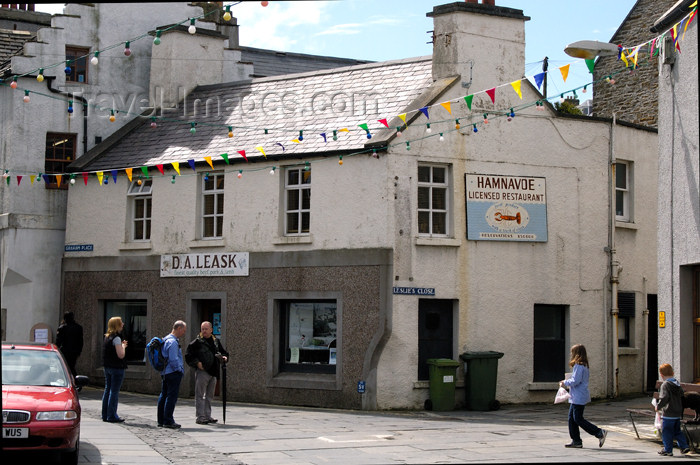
(204, 264)
(506, 208)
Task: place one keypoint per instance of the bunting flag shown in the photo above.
(128, 174)
(469, 99)
(424, 110)
(32, 178)
(277, 143)
(539, 79)
(295, 140)
(260, 149)
(208, 160)
(159, 166)
(403, 117)
(191, 163)
(19, 179)
(176, 166)
(624, 58)
(447, 106)
(46, 178)
(516, 88)
(651, 49)
(635, 55)
(144, 170)
(344, 130)
(99, 176)
(115, 173)
(564, 72)
(590, 64)
(225, 157)
(363, 126)
(85, 175)
(242, 152)
(492, 93)
(58, 179)
(384, 122)
(323, 134)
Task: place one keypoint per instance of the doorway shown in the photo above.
(435, 333)
(652, 343)
(204, 306)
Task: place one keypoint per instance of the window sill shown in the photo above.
(543, 386)
(146, 245)
(629, 351)
(438, 241)
(286, 240)
(626, 225)
(200, 243)
(320, 381)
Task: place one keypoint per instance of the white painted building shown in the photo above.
(679, 198)
(352, 267)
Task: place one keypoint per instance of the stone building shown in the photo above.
(634, 95)
(374, 218)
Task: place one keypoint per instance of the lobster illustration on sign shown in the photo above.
(498, 216)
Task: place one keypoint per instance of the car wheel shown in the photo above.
(71, 458)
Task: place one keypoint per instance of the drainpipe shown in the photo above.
(646, 333)
(82, 100)
(614, 264)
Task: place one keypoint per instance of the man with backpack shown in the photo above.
(204, 354)
(171, 375)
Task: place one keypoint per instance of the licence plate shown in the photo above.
(21, 433)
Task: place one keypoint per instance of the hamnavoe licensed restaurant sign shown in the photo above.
(506, 208)
(204, 264)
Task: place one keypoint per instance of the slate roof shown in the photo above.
(11, 44)
(315, 103)
(274, 63)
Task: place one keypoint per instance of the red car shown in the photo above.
(40, 407)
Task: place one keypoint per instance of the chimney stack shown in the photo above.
(483, 43)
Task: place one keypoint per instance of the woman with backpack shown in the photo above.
(113, 353)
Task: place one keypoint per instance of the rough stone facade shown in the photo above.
(634, 95)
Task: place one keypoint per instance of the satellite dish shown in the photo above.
(589, 49)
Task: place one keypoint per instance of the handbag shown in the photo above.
(562, 396)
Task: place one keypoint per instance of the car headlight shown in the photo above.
(53, 416)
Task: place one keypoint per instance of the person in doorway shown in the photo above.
(671, 406)
(204, 354)
(580, 396)
(113, 360)
(69, 339)
(171, 375)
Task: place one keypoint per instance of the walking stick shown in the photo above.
(223, 387)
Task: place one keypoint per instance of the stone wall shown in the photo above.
(634, 95)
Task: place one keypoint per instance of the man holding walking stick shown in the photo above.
(205, 354)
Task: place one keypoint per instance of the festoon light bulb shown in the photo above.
(192, 29)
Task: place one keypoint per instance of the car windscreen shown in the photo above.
(32, 368)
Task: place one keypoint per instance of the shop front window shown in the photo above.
(134, 315)
(308, 332)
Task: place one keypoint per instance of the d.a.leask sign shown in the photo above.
(204, 264)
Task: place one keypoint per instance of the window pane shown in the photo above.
(423, 197)
(138, 230)
(619, 203)
(208, 227)
(306, 177)
(148, 207)
(305, 221)
(219, 227)
(424, 174)
(439, 223)
(439, 199)
(220, 204)
(621, 176)
(293, 200)
(138, 208)
(208, 204)
(424, 222)
(219, 182)
(439, 175)
(306, 199)
(292, 177)
(133, 314)
(309, 336)
(292, 222)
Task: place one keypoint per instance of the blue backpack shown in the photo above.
(154, 349)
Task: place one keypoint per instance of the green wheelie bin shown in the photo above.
(443, 380)
(480, 375)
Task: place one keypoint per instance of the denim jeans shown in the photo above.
(113, 383)
(670, 430)
(168, 397)
(576, 419)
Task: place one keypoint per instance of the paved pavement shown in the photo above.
(271, 435)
